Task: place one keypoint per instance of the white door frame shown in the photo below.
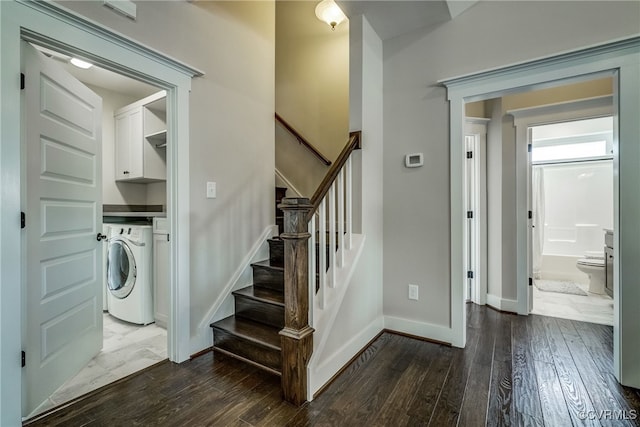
(523, 119)
(54, 26)
(623, 58)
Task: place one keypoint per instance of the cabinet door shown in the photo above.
(161, 279)
(123, 125)
(135, 144)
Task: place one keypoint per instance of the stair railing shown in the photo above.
(302, 140)
(302, 229)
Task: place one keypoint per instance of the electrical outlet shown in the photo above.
(413, 292)
(211, 190)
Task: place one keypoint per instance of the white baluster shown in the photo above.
(349, 201)
(322, 238)
(341, 218)
(332, 235)
(320, 295)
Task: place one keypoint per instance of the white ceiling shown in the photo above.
(391, 18)
(96, 76)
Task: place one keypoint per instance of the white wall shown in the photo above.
(312, 91)
(231, 129)
(416, 203)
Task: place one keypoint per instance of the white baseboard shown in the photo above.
(319, 375)
(502, 304)
(419, 329)
(203, 337)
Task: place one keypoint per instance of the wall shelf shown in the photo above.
(158, 138)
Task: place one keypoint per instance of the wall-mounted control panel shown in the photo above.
(414, 160)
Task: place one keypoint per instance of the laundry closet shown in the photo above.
(139, 174)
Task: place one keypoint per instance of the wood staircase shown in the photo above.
(252, 334)
(270, 328)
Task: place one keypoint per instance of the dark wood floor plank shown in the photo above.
(597, 342)
(525, 387)
(381, 386)
(596, 384)
(447, 410)
(540, 349)
(395, 410)
(554, 407)
(575, 395)
(395, 381)
(557, 344)
(500, 411)
(476, 396)
(426, 395)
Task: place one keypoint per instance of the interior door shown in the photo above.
(62, 199)
(530, 220)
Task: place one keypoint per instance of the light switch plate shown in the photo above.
(211, 190)
(413, 292)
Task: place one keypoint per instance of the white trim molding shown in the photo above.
(419, 329)
(54, 26)
(620, 58)
(502, 304)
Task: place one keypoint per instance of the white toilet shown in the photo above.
(593, 265)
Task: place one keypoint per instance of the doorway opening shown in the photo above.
(127, 318)
(572, 209)
(504, 157)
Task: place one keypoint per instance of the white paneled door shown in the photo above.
(62, 199)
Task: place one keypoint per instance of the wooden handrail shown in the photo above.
(302, 140)
(353, 144)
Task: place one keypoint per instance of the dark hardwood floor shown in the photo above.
(515, 370)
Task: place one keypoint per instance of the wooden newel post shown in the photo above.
(297, 336)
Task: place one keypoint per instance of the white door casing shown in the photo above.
(62, 143)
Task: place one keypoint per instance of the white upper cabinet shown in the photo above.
(141, 139)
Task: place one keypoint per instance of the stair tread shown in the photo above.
(250, 330)
(268, 264)
(262, 294)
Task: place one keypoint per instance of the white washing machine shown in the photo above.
(129, 281)
(106, 230)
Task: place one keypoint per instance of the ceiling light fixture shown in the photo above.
(329, 12)
(80, 63)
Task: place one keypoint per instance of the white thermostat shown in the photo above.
(413, 160)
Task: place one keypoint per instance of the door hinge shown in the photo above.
(529, 147)
(23, 220)
(24, 359)
(469, 154)
(167, 237)
(469, 274)
(469, 214)
(530, 281)
(530, 214)
(21, 81)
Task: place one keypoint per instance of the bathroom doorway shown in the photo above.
(571, 201)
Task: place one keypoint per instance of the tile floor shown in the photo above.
(127, 348)
(591, 308)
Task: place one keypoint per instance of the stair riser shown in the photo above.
(259, 311)
(249, 350)
(276, 252)
(269, 278)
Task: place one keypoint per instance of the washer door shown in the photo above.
(121, 269)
